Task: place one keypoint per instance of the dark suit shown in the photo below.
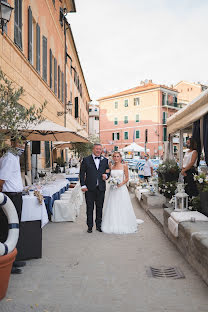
(92, 178)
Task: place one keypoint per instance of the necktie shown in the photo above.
(97, 157)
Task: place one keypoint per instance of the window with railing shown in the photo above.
(115, 136)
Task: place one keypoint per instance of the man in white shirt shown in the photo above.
(148, 168)
(11, 185)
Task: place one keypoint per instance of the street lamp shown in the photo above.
(5, 14)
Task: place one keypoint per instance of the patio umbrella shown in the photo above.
(50, 131)
(205, 137)
(133, 147)
(62, 144)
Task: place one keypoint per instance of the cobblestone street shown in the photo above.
(96, 272)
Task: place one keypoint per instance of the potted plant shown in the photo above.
(202, 185)
(5, 270)
(168, 171)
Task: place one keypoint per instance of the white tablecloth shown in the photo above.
(53, 187)
(32, 210)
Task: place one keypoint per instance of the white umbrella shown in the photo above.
(133, 147)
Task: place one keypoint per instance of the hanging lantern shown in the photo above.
(181, 199)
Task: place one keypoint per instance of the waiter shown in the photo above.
(11, 185)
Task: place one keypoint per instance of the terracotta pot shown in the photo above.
(5, 271)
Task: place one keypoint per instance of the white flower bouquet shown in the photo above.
(114, 182)
(202, 181)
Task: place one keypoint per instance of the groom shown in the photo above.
(92, 179)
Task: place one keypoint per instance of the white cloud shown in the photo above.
(121, 42)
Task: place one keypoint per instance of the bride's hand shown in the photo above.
(119, 185)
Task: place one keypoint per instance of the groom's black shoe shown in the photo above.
(98, 229)
(89, 230)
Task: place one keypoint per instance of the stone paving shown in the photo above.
(97, 272)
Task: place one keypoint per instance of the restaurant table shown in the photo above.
(34, 217)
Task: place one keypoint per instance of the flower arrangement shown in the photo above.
(39, 196)
(201, 181)
(114, 182)
(167, 188)
(168, 170)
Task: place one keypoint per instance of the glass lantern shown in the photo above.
(181, 201)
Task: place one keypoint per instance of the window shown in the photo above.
(115, 136)
(44, 58)
(18, 23)
(165, 134)
(90, 109)
(126, 103)
(95, 109)
(62, 87)
(136, 101)
(116, 105)
(163, 99)
(137, 134)
(115, 121)
(96, 118)
(51, 68)
(76, 113)
(126, 135)
(125, 119)
(115, 148)
(164, 118)
(137, 118)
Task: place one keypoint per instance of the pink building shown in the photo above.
(127, 115)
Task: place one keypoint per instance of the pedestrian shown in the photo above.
(93, 174)
(148, 168)
(11, 185)
(190, 167)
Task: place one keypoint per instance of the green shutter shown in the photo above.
(137, 134)
(62, 87)
(30, 35)
(18, 23)
(76, 114)
(51, 66)
(47, 154)
(55, 76)
(38, 48)
(44, 58)
(59, 82)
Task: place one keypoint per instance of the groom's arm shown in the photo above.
(106, 175)
(82, 173)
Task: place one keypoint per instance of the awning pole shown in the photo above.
(181, 148)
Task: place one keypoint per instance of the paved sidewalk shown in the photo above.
(82, 272)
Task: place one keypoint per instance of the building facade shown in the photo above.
(94, 124)
(32, 55)
(132, 115)
(187, 91)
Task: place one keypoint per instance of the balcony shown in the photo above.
(174, 105)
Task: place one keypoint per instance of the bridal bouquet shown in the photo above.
(114, 182)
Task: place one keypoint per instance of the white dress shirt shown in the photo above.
(147, 168)
(10, 172)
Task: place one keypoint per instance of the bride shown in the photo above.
(119, 217)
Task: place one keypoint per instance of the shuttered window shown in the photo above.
(30, 45)
(55, 76)
(44, 58)
(66, 93)
(137, 134)
(126, 135)
(18, 23)
(38, 48)
(76, 113)
(62, 87)
(47, 154)
(59, 82)
(51, 68)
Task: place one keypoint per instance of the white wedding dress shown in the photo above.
(118, 214)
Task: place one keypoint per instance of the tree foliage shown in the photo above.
(85, 149)
(14, 116)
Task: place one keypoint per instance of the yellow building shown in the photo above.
(32, 55)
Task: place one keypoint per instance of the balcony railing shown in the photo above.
(174, 105)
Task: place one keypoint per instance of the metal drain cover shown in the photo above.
(165, 272)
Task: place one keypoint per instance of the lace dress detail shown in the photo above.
(118, 216)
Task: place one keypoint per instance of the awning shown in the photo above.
(195, 110)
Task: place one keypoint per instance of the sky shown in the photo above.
(123, 42)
